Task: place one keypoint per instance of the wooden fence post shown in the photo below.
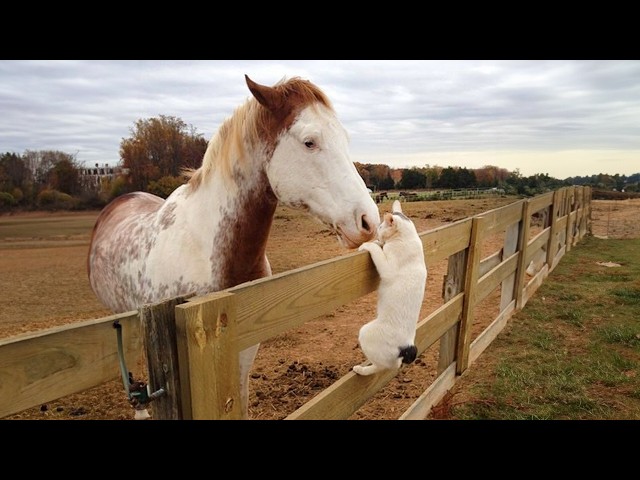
(585, 212)
(159, 333)
(209, 368)
(552, 244)
(470, 287)
(522, 267)
(452, 285)
(571, 191)
(579, 213)
(512, 243)
(588, 202)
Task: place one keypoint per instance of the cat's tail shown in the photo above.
(408, 353)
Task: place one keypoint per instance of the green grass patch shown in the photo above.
(628, 335)
(574, 351)
(630, 296)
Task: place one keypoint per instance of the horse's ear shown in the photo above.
(268, 97)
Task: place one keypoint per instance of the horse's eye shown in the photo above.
(310, 144)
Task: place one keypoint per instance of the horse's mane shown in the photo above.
(226, 148)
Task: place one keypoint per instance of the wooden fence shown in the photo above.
(193, 342)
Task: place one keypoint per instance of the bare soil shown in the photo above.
(43, 283)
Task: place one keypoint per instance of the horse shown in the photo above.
(283, 144)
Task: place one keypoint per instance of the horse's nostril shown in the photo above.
(365, 224)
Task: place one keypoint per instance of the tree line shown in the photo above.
(153, 157)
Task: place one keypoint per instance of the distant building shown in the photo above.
(91, 178)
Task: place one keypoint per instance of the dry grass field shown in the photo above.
(43, 283)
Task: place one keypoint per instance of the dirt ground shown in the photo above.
(49, 287)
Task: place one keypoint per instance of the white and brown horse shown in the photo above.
(284, 144)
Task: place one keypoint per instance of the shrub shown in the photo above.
(17, 194)
(53, 200)
(118, 187)
(6, 200)
(164, 186)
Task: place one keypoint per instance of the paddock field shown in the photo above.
(43, 283)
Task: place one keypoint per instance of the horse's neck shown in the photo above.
(234, 217)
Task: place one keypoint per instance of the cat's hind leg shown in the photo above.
(367, 370)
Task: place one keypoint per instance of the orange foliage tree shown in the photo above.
(158, 147)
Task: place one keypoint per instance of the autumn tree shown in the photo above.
(363, 172)
(65, 177)
(159, 147)
(41, 162)
(491, 176)
(377, 176)
(13, 173)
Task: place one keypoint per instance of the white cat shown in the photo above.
(388, 340)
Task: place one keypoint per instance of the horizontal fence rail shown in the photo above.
(210, 330)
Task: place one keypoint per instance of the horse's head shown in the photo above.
(308, 162)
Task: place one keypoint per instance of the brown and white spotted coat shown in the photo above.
(284, 144)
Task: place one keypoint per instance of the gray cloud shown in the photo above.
(399, 111)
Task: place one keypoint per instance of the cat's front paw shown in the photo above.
(365, 246)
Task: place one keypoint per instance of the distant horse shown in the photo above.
(283, 145)
(379, 197)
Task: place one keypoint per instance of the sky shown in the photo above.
(560, 117)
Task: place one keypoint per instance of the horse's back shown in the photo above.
(116, 241)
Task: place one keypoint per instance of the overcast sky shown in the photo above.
(564, 118)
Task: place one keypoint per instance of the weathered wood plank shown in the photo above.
(470, 288)
(351, 391)
(552, 245)
(453, 284)
(587, 193)
(561, 224)
(430, 329)
(159, 334)
(499, 274)
(537, 243)
(432, 395)
(40, 367)
(571, 238)
(209, 333)
(513, 242)
(558, 257)
(541, 201)
(489, 334)
(442, 242)
(489, 263)
(343, 397)
(534, 284)
(568, 211)
(500, 218)
(273, 305)
(522, 259)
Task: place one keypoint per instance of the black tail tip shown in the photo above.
(408, 354)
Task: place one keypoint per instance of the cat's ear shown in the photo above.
(396, 207)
